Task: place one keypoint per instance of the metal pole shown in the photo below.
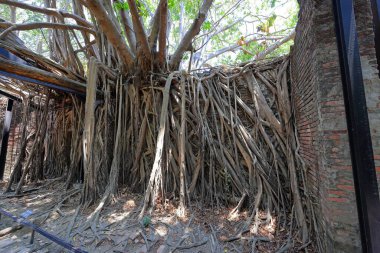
(22, 221)
(363, 165)
(5, 136)
(375, 4)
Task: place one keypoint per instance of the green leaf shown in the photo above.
(206, 25)
(271, 20)
(121, 6)
(171, 4)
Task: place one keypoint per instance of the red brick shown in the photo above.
(334, 137)
(339, 200)
(326, 132)
(341, 167)
(345, 187)
(339, 193)
(329, 65)
(333, 103)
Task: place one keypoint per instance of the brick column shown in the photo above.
(320, 114)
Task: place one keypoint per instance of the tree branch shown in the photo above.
(181, 19)
(47, 11)
(275, 45)
(216, 24)
(128, 29)
(35, 25)
(211, 34)
(41, 75)
(139, 30)
(190, 34)
(162, 35)
(92, 47)
(111, 31)
(235, 47)
(154, 28)
(146, 6)
(208, 37)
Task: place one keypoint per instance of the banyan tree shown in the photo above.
(135, 116)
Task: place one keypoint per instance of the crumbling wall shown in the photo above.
(320, 114)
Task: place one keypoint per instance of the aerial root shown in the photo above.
(223, 138)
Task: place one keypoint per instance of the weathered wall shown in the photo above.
(320, 114)
(370, 74)
(304, 90)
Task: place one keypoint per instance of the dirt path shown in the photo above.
(203, 229)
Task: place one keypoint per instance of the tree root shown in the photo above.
(9, 230)
(208, 136)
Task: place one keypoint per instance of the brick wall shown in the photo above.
(320, 114)
(304, 100)
(14, 137)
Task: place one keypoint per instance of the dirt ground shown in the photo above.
(202, 229)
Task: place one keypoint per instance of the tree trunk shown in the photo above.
(90, 193)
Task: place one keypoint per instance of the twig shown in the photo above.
(192, 245)
(304, 246)
(287, 246)
(237, 237)
(183, 237)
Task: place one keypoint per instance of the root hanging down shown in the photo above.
(223, 137)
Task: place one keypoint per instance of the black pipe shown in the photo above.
(5, 136)
(363, 165)
(375, 4)
(21, 220)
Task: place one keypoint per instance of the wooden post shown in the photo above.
(5, 136)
